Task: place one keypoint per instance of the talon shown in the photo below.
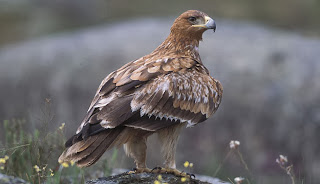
(156, 168)
(191, 175)
(134, 170)
(143, 170)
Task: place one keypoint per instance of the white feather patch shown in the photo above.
(105, 101)
(105, 124)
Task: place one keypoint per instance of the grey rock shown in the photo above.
(202, 178)
(4, 179)
(145, 178)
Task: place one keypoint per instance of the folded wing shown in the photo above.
(150, 96)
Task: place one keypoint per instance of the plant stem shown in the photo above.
(221, 163)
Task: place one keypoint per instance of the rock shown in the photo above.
(142, 178)
(4, 179)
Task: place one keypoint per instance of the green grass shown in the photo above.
(33, 156)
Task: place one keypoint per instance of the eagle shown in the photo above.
(161, 92)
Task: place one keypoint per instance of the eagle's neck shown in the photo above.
(180, 46)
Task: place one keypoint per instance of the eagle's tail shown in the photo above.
(86, 152)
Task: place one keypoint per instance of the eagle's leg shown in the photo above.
(136, 148)
(169, 140)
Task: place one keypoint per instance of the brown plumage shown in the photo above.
(158, 93)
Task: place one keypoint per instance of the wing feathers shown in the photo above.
(133, 84)
(116, 112)
(107, 87)
(144, 123)
(186, 96)
(147, 94)
(87, 152)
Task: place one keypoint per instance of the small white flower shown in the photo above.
(282, 160)
(238, 180)
(234, 144)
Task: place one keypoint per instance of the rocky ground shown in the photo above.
(4, 179)
(124, 178)
(143, 178)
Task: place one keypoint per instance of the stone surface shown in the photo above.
(4, 179)
(149, 178)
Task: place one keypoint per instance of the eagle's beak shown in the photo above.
(209, 24)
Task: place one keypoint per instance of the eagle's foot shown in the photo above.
(192, 176)
(175, 172)
(139, 170)
(156, 170)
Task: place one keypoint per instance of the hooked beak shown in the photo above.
(209, 24)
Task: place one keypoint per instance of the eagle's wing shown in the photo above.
(190, 95)
(162, 89)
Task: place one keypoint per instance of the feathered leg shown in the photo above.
(169, 140)
(136, 148)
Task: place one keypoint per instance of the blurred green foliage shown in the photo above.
(21, 20)
(34, 156)
(31, 156)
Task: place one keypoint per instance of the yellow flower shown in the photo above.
(72, 162)
(51, 172)
(186, 164)
(65, 164)
(6, 157)
(62, 126)
(159, 177)
(183, 179)
(191, 165)
(156, 182)
(2, 161)
(36, 168)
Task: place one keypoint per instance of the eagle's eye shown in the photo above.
(192, 19)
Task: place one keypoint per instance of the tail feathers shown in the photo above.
(86, 152)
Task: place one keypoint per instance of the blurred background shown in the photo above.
(54, 54)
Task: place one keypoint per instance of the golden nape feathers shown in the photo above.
(159, 93)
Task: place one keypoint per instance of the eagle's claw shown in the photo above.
(192, 176)
(132, 171)
(139, 170)
(154, 170)
(175, 172)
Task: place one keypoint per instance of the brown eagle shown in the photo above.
(159, 93)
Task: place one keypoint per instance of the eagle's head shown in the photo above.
(192, 23)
